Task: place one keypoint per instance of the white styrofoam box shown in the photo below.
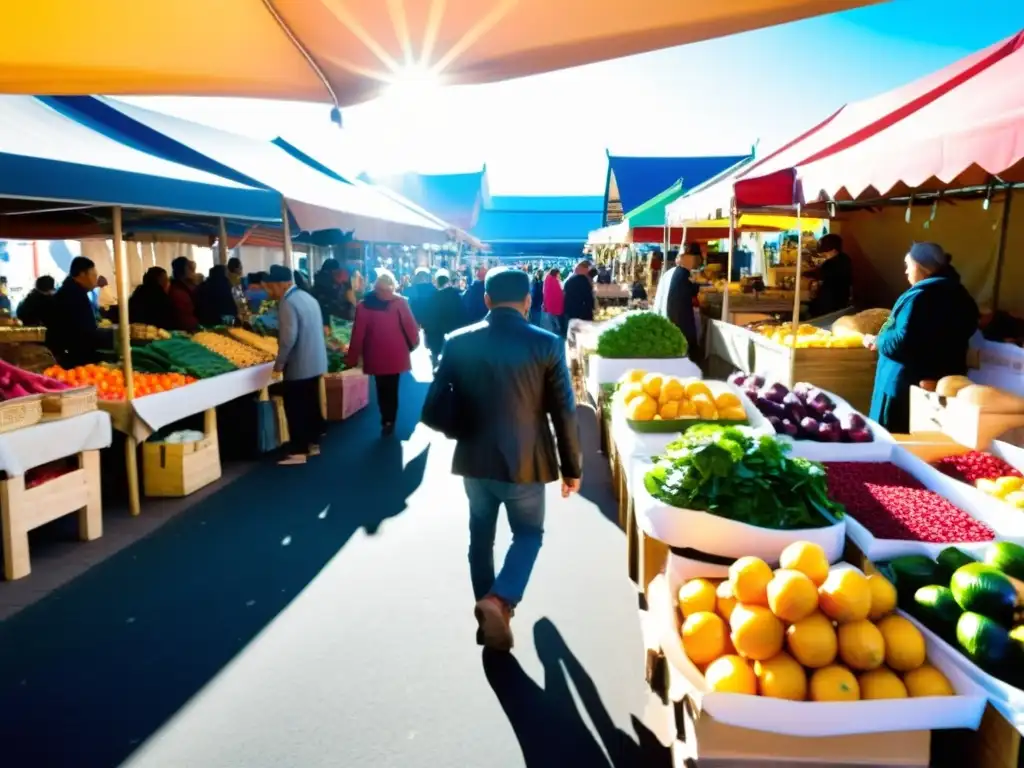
(628, 442)
(720, 536)
(608, 370)
(1006, 522)
(1006, 698)
(833, 718)
(682, 569)
(1000, 365)
(877, 450)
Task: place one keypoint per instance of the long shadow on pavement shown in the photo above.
(550, 728)
(88, 673)
(597, 482)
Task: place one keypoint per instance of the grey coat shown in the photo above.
(302, 352)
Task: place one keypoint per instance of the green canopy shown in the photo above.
(652, 213)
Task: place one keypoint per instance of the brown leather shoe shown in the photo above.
(493, 616)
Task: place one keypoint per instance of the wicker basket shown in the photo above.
(20, 412)
(21, 334)
(71, 402)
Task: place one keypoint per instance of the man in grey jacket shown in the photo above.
(302, 356)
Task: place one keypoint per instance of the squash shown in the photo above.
(980, 588)
(949, 386)
(984, 642)
(990, 399)
(1007, 557)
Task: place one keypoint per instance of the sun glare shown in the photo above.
(413, 87)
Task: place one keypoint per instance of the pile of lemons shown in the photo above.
(806, 631)
(656, 397)
(812, 337)
(1010, 489)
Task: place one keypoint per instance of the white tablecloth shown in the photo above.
(157, 411)
(23, 449)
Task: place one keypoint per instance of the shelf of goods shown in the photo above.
(49, 456)
(799, 664)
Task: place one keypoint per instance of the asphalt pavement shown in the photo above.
(322, 616)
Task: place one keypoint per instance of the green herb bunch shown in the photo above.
(749, 478)
(642, 335)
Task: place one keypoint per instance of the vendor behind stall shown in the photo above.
(150, 303)
(925, 338)
(35, 308)
(182, 293)
(72, 334)
(834, 275)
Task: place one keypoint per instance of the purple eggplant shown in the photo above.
(789, 428)
(820, 402)
(775, 392)
(776, 423)
(829, 417)
(802, 389)
(794, 407)
(771, 408)
(830, 433)
(856, 421)
(860, 435)
(738, 379)
(809, 426)
(756, 379)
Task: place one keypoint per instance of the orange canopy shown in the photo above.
(342, 51)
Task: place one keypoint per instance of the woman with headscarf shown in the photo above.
(150, 303)
(383, 337)
(925, 338)
(215, 299)
(333, 290)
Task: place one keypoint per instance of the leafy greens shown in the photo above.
(641, 335)
(749, 478)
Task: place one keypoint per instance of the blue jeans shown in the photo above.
(524, 505)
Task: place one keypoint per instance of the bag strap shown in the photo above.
(401, 325)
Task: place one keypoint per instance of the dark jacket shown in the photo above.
(579, 298)
(509, 377)
(926, 337)
(151, 305)
(214, 301)
(183, 299)
(836, 283)
(72, 334)
(444, 315)
(420, 296)
(333, 298)
(473, 305)
(536, 296)
(679, 306)
(35, 308)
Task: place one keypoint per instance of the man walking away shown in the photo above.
(302, 356)
(444, 315)
(475, 308)
(579, 296)
(506, 454)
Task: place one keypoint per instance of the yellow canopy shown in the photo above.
(342, 51)
(757, 222)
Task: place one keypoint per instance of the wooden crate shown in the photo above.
(930, 446)
(700, 741)
(848, 373)
(179, 469)
(24, 509)
(962, 421)
(71, 402)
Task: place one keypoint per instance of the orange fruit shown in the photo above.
(881, 683)
(813, 641)
(781, 677)
(883, 596)
(904, 644)
(697, 595)
(731, 674)
(926, 680)
(792, 595)
(861, 645)
(750, 577)
(834, 683)
(756, 632)
(704, 637)
(725, 599)
(808, 558)
(845, 595)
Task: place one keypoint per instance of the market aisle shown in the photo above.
(321, 616)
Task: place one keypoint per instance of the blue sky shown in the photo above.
(548, 134)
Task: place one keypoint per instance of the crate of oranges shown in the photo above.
(110, 384)
(810, 649)
(653, 402)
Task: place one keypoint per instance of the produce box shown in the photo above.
(1003, 522)
(961, 420)
(716, 535)
(603, 370)
(179, 469)
(70, 402)
(20, 412)
(817, 719)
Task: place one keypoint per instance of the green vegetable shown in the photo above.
(1007, 557)
(910, 573)
(727, 472)
(984, 642)
(642, 335)
(982, 589)
(952, 558)
(937, 610)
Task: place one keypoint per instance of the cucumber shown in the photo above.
(980, 588)
(910, 573)
(1007, 557)
(952, 558)
(935, 607)
(984, 642)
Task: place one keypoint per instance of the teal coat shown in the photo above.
(926, 337)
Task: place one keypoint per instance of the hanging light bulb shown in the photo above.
(988, 198)
(910, 207)
(832, 210)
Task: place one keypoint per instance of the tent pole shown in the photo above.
(131, 454)
(286, 234)
(796, 298)
(222, 241)
(728, 263)
(1001, 253)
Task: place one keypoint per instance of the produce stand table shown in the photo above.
(23, 510)
(141, 417)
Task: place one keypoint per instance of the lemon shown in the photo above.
(813, 641)
(697, 595)
(834, 683)
(904, 644)
(881, 683)
(750, 577)
(808, 558)
(861, 645)
(704, 637)
(883, 596)
(731, 674)
(845, 596)
(926, 680)
(791, 595)
(781, 677)
(1005, 485)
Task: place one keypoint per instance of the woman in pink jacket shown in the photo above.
(384, 335)
(554, 302)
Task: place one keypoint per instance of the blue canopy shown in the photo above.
(535, 220)
(45, 155)
(316, 200)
